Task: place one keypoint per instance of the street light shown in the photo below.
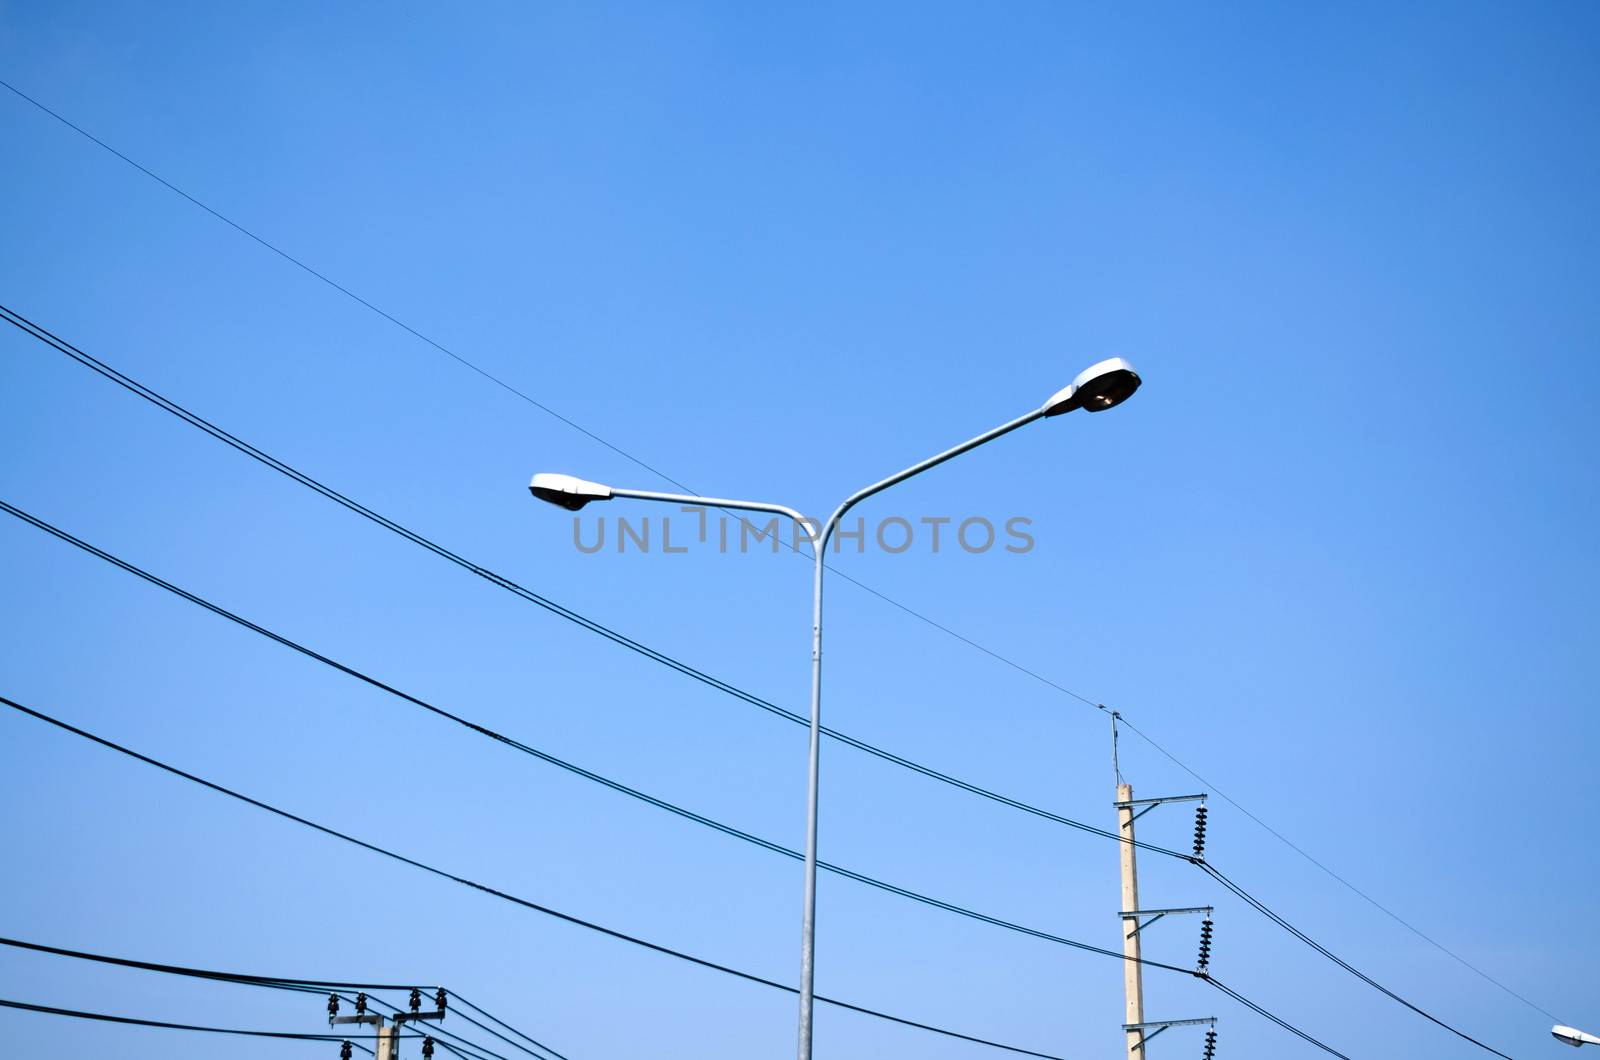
(1573, 1037)
(1099, 387)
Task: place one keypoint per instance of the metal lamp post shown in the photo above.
(1097, 388)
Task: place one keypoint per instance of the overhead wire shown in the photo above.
(86, 359)
(544, 756)
(506, 896)
(997, 656)
(166, 1025)
(1213, 789)
(1281, 1022)
(496, 1020)
(340, 988)
(200, 973)
(717, 825)
(1261, 907)
(568, 918)
(544, 1052)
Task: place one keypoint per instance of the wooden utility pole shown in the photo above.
(1132, 970)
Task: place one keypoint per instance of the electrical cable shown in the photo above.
(544, 1052)
(104, 1018)
(570, 767)
(1346, 883)
(479, 370)
(514, 899)
(1285, 1024)
(717, 825)
(62, 346)
(1260, 907)
(874, 592)
(511, 586)
(502, 383)
(83, 358)
(199, 973)
(313, 986)
(497, 1020)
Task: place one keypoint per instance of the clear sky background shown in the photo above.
(1338, 555)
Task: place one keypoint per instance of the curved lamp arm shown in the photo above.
(916, 469)
(573, 493)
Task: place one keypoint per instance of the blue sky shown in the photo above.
(1337, 555)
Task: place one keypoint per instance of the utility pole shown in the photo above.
(1132, 970)
(1135, 919)
(388, 1043)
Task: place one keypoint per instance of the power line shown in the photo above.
(200, 973)
(1260, 907)
(88, 361)
(511, 898)
(544, 756)
(464, 362)
(614, 785)
(313, 986)
(104, 1018)
(544, 1052)
(1347, 884)
(1285, 1024)
(1013, 664)
(496, 1020)
(179, 970)
(286, 256)
(717, 825)
(310, 984)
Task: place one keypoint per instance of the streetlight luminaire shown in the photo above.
(1573, 1036)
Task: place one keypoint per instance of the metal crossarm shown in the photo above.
(1138, 915)
(1150, 804)
(1156, 1027)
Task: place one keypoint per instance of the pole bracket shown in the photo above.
(1140, 923)
(1156, 1027)
(1146, 805)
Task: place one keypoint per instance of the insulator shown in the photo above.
(344, 1051)
(1205, 943)
(439, 999)
(333, 1005)
(1200, 830)
(427, 1048)
(361, 1004)
(416, 1000)
(1211, 1043)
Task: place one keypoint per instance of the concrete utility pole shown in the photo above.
(1132, 970)
(388, 1043)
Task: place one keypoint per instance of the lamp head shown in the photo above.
(1573, 1036)
(567, 492)
(1097, 388)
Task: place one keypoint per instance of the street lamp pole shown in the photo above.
(1101, 386)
